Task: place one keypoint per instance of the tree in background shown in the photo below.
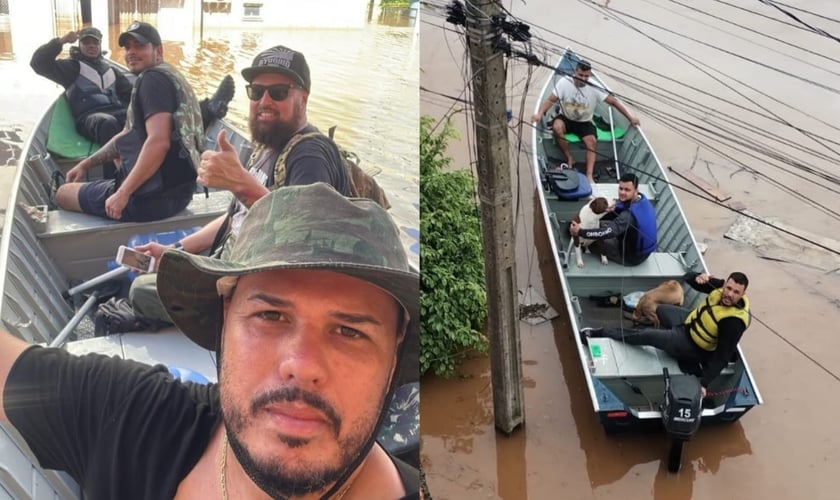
(453, 299)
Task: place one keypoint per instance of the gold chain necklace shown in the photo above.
(223, 475)
(222, 464)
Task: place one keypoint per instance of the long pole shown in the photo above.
(494, 190)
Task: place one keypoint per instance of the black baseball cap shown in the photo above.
(90, 33)
(142, 32)
(281, 60)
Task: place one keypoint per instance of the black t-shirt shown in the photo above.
(156, 93)
(121, 429)
(316, 160)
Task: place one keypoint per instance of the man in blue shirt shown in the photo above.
(629, 236)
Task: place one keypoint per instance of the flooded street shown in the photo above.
(786, 448)
(364, 81)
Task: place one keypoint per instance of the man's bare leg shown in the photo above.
(559, 129)
(591, 144)
(67, 197)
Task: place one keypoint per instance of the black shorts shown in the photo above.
(92, 196)
(580, 129)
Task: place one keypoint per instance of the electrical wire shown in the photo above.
(734, 104)
(721, 80)
(719, 204)
(816, 30)
(751, 30)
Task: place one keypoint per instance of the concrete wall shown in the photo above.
(293, 13)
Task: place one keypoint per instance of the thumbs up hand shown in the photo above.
(221, 169)
(224, 145)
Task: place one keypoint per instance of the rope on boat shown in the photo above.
(742, 390)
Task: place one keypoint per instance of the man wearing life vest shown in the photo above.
(98, 95)
(630, 235)
(704, 340)
(158, 150)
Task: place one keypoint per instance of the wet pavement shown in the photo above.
(786, 448)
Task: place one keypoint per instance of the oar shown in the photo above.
(74, 321)
(113, 273)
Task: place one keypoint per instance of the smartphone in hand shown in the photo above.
(135, 260)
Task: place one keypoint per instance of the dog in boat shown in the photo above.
(668, 292)
(589, 217)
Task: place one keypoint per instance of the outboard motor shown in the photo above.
(681, 410)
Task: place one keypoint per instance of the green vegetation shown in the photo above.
(453, 300)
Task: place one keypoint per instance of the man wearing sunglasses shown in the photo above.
(278, 86)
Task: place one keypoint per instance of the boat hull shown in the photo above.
(625, 383)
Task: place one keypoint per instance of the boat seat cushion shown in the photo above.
(63, 139)
(600, 134)
(602, 130)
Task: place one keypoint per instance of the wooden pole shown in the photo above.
(494, 190)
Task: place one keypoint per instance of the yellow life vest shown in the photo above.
(703, 321)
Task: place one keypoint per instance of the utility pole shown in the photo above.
(494, 191)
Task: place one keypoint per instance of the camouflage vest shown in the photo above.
(187, 127)
(362, 185)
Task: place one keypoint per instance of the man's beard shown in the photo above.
(278, 478)
(274, 134)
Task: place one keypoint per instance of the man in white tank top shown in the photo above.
(576, 100)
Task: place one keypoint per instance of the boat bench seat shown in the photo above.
(88, 243)
(615, 359)
(610, 191)
(657, 265)
(63, 222)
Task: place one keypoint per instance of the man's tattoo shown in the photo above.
(106, 153)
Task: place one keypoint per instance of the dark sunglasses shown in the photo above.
(278, 92)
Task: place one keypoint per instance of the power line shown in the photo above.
(793, 16)
(755, 31)
(713, 96)
(718, 137)
(707, 132)
(811, 13)
(686, 58)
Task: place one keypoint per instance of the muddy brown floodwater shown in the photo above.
(786, 448)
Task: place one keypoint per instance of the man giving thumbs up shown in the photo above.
(279, 84)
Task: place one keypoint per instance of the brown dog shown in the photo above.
(589, 217)
(668, 292)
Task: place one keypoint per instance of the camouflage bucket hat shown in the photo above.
(296, 227)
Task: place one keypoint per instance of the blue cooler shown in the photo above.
(568, 184)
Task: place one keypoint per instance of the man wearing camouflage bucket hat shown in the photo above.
(310, 315)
